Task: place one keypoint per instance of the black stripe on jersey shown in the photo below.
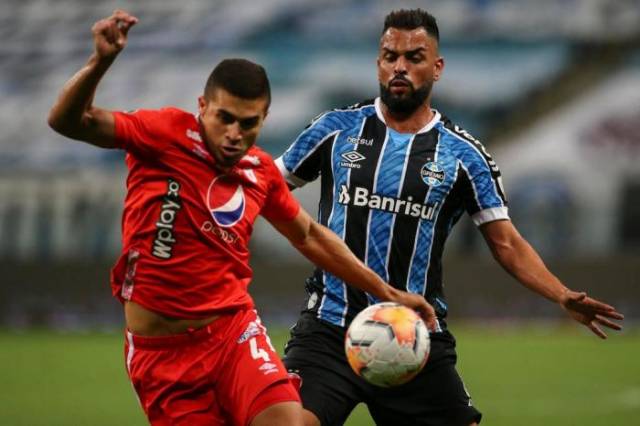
(326, 182)
(310, 168)
(357, 217)
(450, 210)
(406, 227)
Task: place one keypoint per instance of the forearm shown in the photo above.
(326, 250)
(520, 260)
(72, 109)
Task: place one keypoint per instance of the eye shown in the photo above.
(390, 56)
(249, 123)
(415, 58)
(225, 117)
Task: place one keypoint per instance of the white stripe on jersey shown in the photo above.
(130, 351)
(490, 215)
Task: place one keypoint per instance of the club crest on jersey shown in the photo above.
(432, 174)
(225, 200)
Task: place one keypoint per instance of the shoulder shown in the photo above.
(468, 149)
(454, 132)
(160, 119)
(338, 118)
(175, 116)
(256, 158)
(459, 137)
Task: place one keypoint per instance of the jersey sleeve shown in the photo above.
(280, 204)
(301, 162)
(139, 131)
(481, 181)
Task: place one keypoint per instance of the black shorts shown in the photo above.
(331, 390)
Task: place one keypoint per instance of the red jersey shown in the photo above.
(186, 225)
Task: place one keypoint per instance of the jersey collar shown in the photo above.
(426, 128)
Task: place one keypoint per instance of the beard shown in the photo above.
(407, 103)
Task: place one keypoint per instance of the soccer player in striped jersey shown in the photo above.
(396, 175)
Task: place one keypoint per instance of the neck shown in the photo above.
(408, 123)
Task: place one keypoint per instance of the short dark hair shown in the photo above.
(241, 78)
(410, 19)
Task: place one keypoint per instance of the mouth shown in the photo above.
(399, 86)
(231, 152)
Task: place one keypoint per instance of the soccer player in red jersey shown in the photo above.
(196, 351)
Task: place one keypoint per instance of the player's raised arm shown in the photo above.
(326, 250)
(519, 259)
(73, 114)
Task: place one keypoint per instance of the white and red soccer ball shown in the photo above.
(387, 344)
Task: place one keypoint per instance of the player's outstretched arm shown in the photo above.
(73, 114)
(326, 250)
(518, 258)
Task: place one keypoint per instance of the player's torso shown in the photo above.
(387, 192)
(180, 198)
(392, 198)
(186, 225)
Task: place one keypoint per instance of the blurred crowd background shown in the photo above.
(552, 88)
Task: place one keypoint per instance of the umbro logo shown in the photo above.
(268, 368)
(352, 158)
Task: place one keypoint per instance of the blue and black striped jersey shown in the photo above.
(392, 197)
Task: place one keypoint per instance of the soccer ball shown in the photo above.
(387, 344)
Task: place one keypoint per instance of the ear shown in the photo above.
(438, 67)
(202, 105)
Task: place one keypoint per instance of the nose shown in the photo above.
(234, 133)
(400, 66)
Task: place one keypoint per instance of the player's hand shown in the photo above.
(419, 304)
(590, 312)
(110, 34)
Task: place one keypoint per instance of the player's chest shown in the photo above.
(228, 201)
(406, 166)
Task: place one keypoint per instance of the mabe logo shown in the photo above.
(225, 199)
(432, 174)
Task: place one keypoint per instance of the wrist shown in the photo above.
(562, 295)
(100, 62)
(391, 293)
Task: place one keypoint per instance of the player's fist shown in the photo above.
(110, 34)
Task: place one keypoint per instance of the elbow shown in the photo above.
(67, 127)
(54, 122)
(58, 124)
(502, 249)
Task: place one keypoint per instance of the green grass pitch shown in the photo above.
(517, 376)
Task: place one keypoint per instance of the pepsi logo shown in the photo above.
(225, 200)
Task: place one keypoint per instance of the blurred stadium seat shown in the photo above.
(522, 76)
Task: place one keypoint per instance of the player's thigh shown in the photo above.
(287, 413)
(173, 385)
(330, 390)
(436, 397)
(252, 371)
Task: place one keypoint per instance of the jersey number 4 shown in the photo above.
(259, 353)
